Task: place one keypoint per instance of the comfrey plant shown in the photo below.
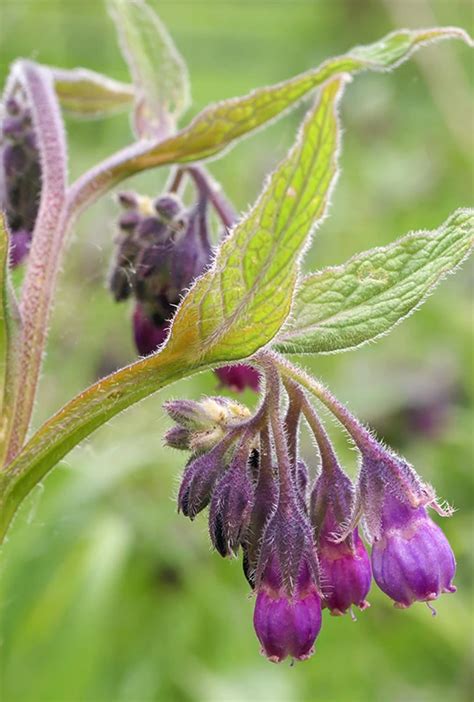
(235, 301)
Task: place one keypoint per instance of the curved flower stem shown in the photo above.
(48, 235)
(356, 430)
(208, 186)
(329, 462)
(273, 385)
(175, 181)
(291, 423)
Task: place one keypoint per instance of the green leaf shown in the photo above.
(230, 312)
(88, 94)
(159, 73)
(222, 124)
(241, 303)
(343, 307)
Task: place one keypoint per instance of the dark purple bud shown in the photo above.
(238, 377)
(15, 160)
(20, 243)
(14, 127)
(129, 221)
(287, 624)
(122, 273)
(12, 106)
(192, 251)
(198, 481)
(168, 207)
(264, 506)
(151, 229)
(20, 173)
(147, 335)
(231, 506)
(411, 559)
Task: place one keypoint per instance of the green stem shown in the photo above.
(79, 418)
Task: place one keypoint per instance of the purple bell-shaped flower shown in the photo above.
(411, 557)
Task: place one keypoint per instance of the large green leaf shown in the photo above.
(231, 312)
(159, 73)
(241, 303)
(346, 306)
(88, 94)
(220, 125)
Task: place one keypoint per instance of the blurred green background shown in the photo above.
(107, 595)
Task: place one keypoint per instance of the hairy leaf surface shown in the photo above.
(241, 303)
(346, 306)
(159, 73)
(220, 125)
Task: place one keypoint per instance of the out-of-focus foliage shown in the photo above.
(107, 594)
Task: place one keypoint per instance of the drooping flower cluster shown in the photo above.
(162, 247)
(301, 547)
(20, 172)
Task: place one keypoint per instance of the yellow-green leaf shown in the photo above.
(219, 126)
(88, 94)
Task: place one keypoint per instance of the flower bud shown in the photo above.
(264, 506)
(343, 560)
(161, 250)
(412, 560)
(178, 438)
(238, 377)
(207, 421)
(199, 478)
(168, 207)
(287, 624)
(19, 247)
(288, 538)
(231, 506)
(20, 173)
(147, 335)
(345, 573)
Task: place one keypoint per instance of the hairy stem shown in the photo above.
(39, 284)
(214, 192)
(272, 379)
(291, 424)
(360, 435)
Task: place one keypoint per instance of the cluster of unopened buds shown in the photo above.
(298, 533)
(162, 247)
(20, 172)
